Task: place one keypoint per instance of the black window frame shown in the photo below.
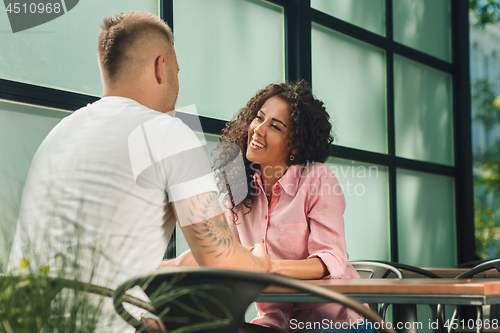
(299, 17)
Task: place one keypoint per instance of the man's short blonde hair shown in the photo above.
(118, 33)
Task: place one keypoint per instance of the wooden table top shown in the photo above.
(483, 287)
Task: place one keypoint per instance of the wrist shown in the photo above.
(275, 267)
(165, 264)
(266, 265)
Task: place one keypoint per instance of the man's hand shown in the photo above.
(186, 259)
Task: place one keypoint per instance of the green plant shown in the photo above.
(36, 298)
(487, 173)
(37, 302)
(485, 12)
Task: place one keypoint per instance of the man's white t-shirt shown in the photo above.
(96, 192)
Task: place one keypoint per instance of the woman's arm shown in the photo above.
(306, 269)
(326, 223)
(326, 238)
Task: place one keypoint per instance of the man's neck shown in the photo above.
(135, 93)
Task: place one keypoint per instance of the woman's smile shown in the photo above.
(254, 144)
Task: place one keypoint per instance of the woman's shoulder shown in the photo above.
(317, 180)
(315, 170)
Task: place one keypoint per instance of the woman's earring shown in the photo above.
(291, 157)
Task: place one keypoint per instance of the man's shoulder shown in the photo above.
(117, 104)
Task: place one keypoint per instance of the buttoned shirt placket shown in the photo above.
(270, 206)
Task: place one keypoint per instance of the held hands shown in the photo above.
(260, 253)
(257, 252)
(306, 269)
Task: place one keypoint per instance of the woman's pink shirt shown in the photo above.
(303, 220)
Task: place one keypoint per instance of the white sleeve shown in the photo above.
(165, 153)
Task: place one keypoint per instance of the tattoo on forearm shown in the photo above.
(200, 208)
(209, 225)
(215, 236)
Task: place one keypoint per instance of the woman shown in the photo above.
(294, 205)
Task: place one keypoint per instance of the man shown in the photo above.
(108, 183)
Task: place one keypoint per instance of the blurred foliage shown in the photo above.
(32, 302)
(487, 173)
(485, 12)
(484, 97)
(36, 297)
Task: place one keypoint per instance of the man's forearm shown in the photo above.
(213, 244)
(210, 239)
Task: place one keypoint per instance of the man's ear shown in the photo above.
(159, 69)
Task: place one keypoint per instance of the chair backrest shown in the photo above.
(472, 263)
(364, 267)
(495, 263)
(214, 300)
(408, 268)
(375, 270)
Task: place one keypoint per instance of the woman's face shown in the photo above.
(268, 134)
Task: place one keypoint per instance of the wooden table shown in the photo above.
(406, 293)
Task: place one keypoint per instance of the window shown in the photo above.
(394, 76)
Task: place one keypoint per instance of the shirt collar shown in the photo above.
(289, 182)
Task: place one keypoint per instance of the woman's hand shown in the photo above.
(306, 269)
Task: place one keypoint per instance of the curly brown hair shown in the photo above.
(310, 135)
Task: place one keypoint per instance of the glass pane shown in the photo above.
(366, 217)
(22, 129)
(227, 50)
(367, 14)
(211, 143)
(62, 53)
(424, 25)
(423, 112)
(426, 219)
(181, 244)
(350, 77)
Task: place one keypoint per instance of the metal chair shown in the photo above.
(382, 269)
(214, 300)
(437, 310)
(467, 275)
(369, 269)
(409, 268)
(472, 263)
(495, 263)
